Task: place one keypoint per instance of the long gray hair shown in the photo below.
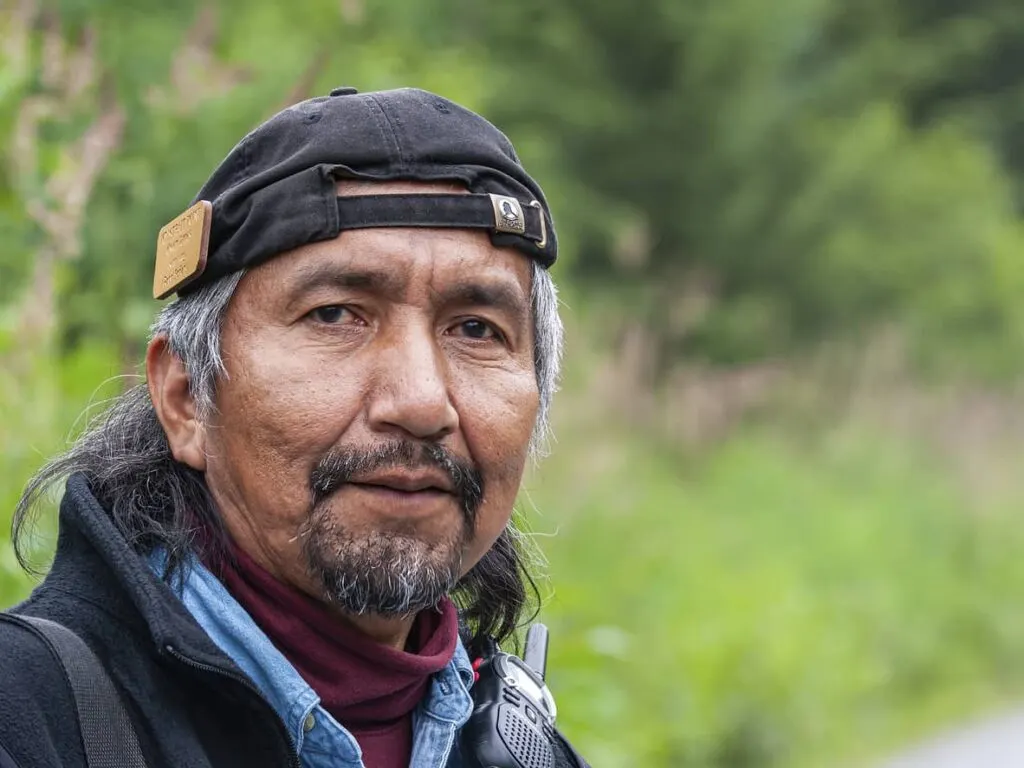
(156, 501)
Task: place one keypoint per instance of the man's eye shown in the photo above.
(331, 314)
(477, 329)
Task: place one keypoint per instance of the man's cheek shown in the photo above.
(292, 419)
(494, 512)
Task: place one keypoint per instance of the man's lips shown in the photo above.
(405, 494)
(407, 482)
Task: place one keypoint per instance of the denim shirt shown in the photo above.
(320, 740)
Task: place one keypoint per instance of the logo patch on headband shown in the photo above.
(508, 215)
(181, 249)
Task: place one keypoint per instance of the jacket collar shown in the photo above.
(95, 562)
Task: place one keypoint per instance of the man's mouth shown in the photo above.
(407, 482)
(404, 496)
(401, 479)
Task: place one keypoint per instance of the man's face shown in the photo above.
(374, 423)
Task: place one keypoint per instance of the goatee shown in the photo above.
(388, 573)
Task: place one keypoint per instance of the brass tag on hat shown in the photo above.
(181, 249)
(508, 215)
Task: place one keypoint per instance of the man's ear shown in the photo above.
(172, 398)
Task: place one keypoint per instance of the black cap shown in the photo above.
(276, 190)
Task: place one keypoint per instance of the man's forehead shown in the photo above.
(399, 264)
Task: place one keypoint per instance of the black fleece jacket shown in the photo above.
(190, 704)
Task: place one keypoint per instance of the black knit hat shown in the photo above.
(277, 189)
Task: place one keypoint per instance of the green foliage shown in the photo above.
(819, 170)
(773, 604)
(43, 405)
(766, 151)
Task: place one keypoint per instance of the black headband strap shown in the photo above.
(495, 213)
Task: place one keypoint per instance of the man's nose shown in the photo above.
(411, 389)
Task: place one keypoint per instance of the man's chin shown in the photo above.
(386, 575)
(385, 599)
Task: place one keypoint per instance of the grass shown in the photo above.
(775, 601)
(41, 404)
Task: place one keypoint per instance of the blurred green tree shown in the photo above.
(755, 177)
(115, 112)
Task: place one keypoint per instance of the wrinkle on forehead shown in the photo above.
(397, 262)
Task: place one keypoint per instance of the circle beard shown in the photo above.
(390, 574)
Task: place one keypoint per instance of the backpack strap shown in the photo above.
(6, 761)
(108, 736)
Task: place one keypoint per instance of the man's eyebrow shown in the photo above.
(332, 276)
(500, 295)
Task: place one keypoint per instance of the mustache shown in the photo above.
(344, 465)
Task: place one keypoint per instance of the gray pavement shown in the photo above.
(996, 742)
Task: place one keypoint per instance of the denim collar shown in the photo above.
(234, 631)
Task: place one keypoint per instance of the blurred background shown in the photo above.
(783, 511)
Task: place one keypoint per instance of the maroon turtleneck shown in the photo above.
(369, 688)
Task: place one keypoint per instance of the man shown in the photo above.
(265, 544)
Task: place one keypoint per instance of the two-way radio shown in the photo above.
(513, 720)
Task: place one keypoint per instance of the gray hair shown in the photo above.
(156, 501)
